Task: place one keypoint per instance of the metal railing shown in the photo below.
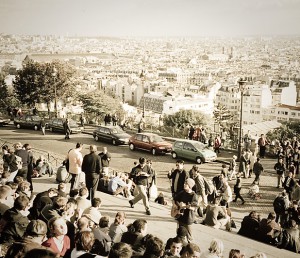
(53, 158)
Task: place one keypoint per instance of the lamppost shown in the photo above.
(241, 89)
(143, 78)
(55, 93)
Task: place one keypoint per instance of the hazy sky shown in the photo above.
(151, 17)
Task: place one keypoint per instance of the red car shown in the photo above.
(150, 142)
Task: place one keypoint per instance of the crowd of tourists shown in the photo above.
(61, 223)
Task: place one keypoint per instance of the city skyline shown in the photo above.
(150, 18)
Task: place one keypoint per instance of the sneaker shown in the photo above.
(131, 204)
(148, 212)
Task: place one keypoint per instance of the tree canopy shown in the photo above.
(285, 132)
(183, 117)
(36, 82)
(97, 103)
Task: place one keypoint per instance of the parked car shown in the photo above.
(28, 121)
(111, 134)
(4, 119)
(57, 125)
(150, 142)
(193, 150)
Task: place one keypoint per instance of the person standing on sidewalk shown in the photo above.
(67, 129)
(280, 169)
(237, 189)
(178, 177)
(140, 175)
(257, 170)
(91, 166)
(43, 126)
(105, 159)
(75, 162)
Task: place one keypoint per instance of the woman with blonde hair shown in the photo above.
(215, 249)
(117, 228)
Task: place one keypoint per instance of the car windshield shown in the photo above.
(199, 145)
(117, 130)
(156, 138)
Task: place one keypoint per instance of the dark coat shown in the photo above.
(183, 175)
(91, 165)
(13, 225)
(249, 227)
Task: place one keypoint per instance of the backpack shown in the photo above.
(19, 162)
(209, 186)
(62, 175)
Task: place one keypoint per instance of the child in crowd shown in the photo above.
(160, 199)
(254, 191)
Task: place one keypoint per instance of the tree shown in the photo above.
(222, 115)
(96, 104)
(42, 82)
(183, 117)
(285, 132)
(3, 92)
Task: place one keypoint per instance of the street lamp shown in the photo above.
(143, 78)
(241, 89)
(55, 93)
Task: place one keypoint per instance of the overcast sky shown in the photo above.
(150, 17)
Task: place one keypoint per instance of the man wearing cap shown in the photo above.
(178, 177)
(187, 202)
(35, 234)
(140, 175)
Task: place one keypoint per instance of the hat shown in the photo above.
(36, 228)
(190, 182)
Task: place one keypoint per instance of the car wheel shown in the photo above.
(35, 127)
(153, 151)
(131, 146)
(18, 126)
(96, 138)
(174, 155)
(51, 129)
(114, 142)
(198, 160)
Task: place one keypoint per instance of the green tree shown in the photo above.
(222, 115)
(97, 103)
(285, 132)
(42, 82)
(183, 117)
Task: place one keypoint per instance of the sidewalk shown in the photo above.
(162, 225)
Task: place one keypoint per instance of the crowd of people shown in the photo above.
(57, 223)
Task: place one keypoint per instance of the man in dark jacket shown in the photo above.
(67, 129)
(281, 204)
(280, 169)
(178, 177)
(105, 159)
(250, 225)
(34, 235)
(91, 165)
(289, 184)
(140, 175)
(14, 221)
